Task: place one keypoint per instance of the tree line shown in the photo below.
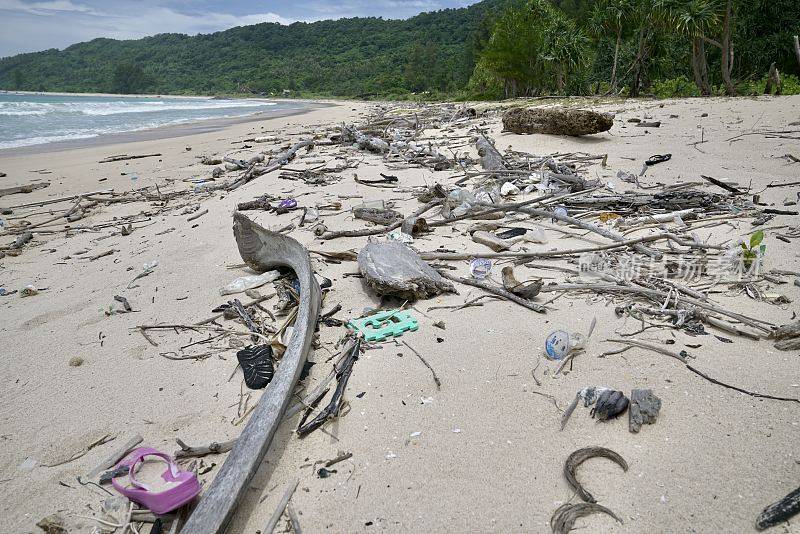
(695, 47)
(492, 49)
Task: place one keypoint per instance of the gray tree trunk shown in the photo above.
(727, 50)
(616, 59)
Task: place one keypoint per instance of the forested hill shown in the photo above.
(352, 57)
(492, 49)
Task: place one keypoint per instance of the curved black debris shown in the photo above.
(256, 362)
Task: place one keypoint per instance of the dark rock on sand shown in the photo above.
(557, 121)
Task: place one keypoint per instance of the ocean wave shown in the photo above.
(39, 120)
(118, 107)
(41, 140)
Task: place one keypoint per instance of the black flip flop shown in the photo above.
(658, 158)
(256, 362)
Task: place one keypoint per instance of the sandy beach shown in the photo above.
(483, 453)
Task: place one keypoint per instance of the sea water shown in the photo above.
(32, 119)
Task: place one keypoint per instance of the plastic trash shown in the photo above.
(287, 204)
(397, 235)
(480, 267)
(533, 235)
(561, 212)
(243, 283)
(560, 343)
(312, 215)
(508, 189)
(461, 209)
(28, 291)
(462, 199)
(385, 324)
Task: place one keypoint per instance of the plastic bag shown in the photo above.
(244, 283)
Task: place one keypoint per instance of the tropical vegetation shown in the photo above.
(491, 49)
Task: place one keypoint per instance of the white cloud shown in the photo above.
(44, 8)
(60, 23)
(156, 19)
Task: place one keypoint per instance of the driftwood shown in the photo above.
(773, 79)
(123, 157)
(262, 250)
(376, 231)
(788, 336)
(610, 234)
(350, 134)
(23, 188)
(722, 184)
(384, 216)
(276, 515)
(782, 510)
(275, 163)
(494, 290)
(491, 160)
(212, 448)
(556, 121)
(661, 296)
(332, 409)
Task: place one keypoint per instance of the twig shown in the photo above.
(381, 229)
(723, 384)
(435, 378)
(332, 409)
(251, 303)
(648, 346)
(502, 293)
(116, 456)
(197, 215)
(295, 520)
(340, 458)
(212, 448)
(611, 288)
(276, 515)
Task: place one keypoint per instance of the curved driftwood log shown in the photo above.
(261, 250)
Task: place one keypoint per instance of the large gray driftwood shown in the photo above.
(261, 250)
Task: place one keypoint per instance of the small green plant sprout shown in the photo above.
(756, 249)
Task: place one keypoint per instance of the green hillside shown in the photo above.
(343, 57)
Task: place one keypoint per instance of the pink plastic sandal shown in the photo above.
(181, 486)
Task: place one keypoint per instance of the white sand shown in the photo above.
(711, 463)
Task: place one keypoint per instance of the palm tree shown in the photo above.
(695, 19)
(565, 48)
(610, 16)
(646, 17)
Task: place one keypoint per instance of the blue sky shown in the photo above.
(30, 25)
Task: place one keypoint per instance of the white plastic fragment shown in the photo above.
(243, 283)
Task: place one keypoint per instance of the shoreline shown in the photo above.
(167, 131)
